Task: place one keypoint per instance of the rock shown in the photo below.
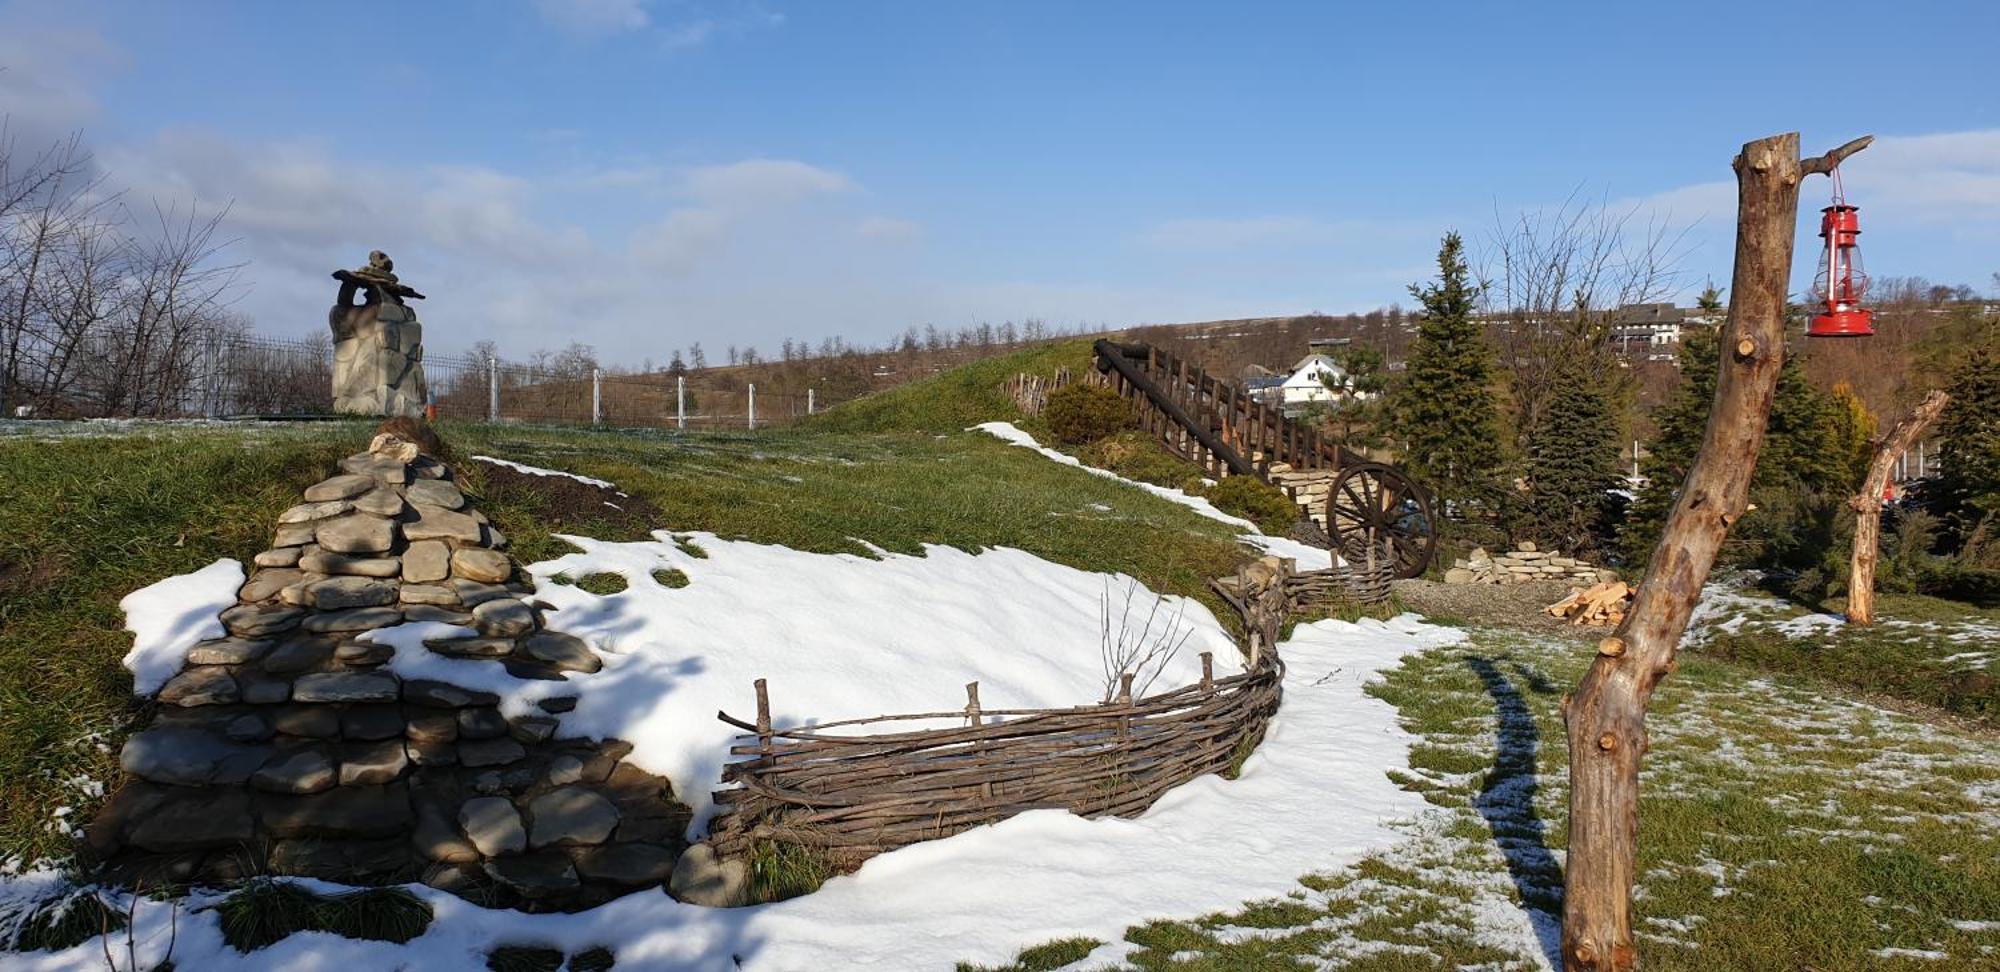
(479, 564)
(427, 560)
(354, 619)
(347, 811)
(1458, 575)
(423, 691)
(248, 728)
(435, 492)
(532, 729)
(261, 689)
(493, 826)
(483, 722)
(346, 486)
(564, 770)
(565, 651)
(437, 840)
(307, 770)
(298, 655)
(381, 502)
(700, 878)
(489, 752)
(1527, 546)
(378, 467)
(427, 753)
(268, 582)
(313, 721)
(428, 594)
(556, 704)
(356, 533)
(308, 512)
(366, 654)
(198, 819)
(226, 651)
(435, 524)
(324, 562)
(632, 865)
(534, 875)
(364, 764)
(189, 757)
(343, 592)
(201, 685)
(371, 722)
(470, 647)
(473, 593)
(293, 535)
(503, 618)
(256, 621)
(346, 687)
(439, 727)
(433, 612)
(277, 557)
(571, 815)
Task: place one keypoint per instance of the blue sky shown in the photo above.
(644, 175)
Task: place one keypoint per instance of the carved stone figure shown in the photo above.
(378, 348)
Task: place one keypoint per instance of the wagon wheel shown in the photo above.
(1371, 499)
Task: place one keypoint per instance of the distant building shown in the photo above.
(1649, 332)
(1310, 380)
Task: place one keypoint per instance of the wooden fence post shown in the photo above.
(763, 720)
(972, 703)
(1208, 671)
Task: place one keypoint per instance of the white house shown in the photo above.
(1309, 380)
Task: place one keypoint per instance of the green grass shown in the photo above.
(601, 583)
(1042, 958)
(265, 912)
(956, 399)
(85, 521)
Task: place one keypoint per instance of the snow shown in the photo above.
(843, 635)
(168, 618)
(1308, 557)
(539, 471)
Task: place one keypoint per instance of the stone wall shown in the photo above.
(1525, 564)
(1308, 488)
(290, 747)
(378, 360)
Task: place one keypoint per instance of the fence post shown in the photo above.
(1208, 671)
(809, 401)
(492, 388)
(753, 406)
(596, 396)
(763, 720)
(680, 402)
(972, 703)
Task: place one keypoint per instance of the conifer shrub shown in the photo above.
(1257, 501)
(1080, 414)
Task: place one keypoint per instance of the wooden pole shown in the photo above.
(763, 719)
(1606, 717)
(1868, 506)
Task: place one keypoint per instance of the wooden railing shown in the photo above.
(1212, 422)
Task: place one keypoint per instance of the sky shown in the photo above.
(643, 175)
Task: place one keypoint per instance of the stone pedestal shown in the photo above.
(378, 360)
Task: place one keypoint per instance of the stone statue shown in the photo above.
(378, 350)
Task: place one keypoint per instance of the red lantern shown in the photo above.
(1841, 282)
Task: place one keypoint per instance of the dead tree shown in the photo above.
(1606, 716)
(1867, 506)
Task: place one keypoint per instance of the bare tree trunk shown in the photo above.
(1606, 716)
(1868, 506)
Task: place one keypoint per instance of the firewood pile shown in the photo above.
(1599, 604)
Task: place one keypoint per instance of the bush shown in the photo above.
(1138, 456)
(1256, 501)
(1079, 414)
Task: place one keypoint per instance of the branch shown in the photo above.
(1825, 164)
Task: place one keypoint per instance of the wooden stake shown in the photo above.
(1208, 671)
(1610, 702)
(972, 703)
(763, 719)
(1868, 506)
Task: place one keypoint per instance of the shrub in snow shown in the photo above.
(1079, 414)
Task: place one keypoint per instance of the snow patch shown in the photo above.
(539, 471)
(168, 618)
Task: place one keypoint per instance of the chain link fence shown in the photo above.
(213, 373)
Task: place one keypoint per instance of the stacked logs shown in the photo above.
(1600, 604)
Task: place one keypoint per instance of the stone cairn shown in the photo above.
(288, 748)
(1523, 565)
(378, 345)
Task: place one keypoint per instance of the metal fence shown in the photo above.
(227, 374)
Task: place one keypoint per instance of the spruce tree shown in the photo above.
(1444, 411)
(1969, 446)
(1572, 462)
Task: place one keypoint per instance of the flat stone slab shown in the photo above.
(353, 619)
(535, 875)
(256, 621)
(700, 878)
(480, 564)
(503, 618)
(482, 722)
(493, 826)
(327, 562)
(346, 811)
(489, 752)
(343, 592)
(438, 727)
(369, 763)
(571, 815)
(307, 770)
(426, 561)
(433, 594)
(202, 685)
(268, 582)
(346, 687)
(436, 524)
(391, 471)
(277, 557)
(564, 651)
(438, 613)
(308, 512)
(227, 651)
(346, 486)
(474, 593)
(195, 820)
(300, 654)
(355, 533)
(371, 722)
(424, 691)
(470, 647)
(311, 721)
(436, 493)
(190, 757)
(632, 865)
(381, 502)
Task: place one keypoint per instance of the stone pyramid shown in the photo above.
(290, 746)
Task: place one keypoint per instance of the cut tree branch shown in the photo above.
(1868, 505)
(1825, 164)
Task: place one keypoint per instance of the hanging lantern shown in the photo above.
(1841, 282)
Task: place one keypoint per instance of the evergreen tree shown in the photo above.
(1572, 463)
(1445, 412)
(1969, 445)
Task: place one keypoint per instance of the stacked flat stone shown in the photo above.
(1308, 488)
(288, 747)
(1523, 565)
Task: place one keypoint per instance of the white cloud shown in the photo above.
(886, 229)
(48, 72)
(1233, 234)
(756, 183)
(589, 18)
